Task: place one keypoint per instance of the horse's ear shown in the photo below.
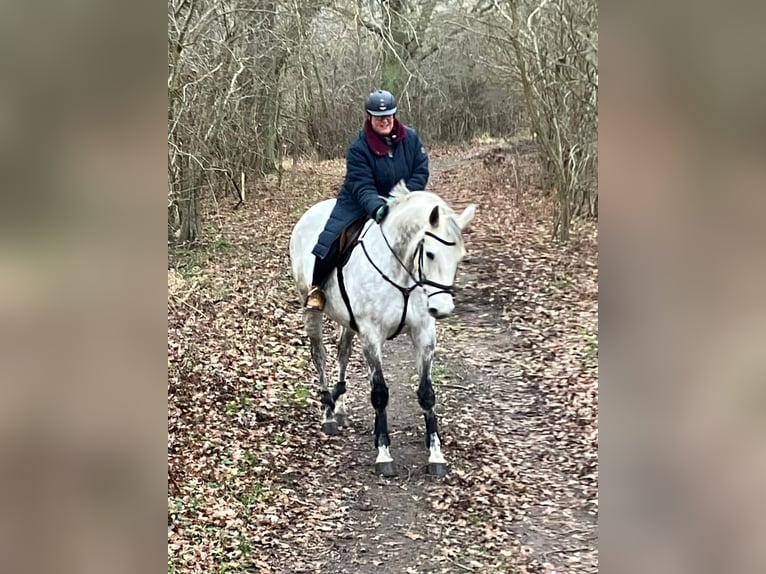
(434, 218)
(400, 189)
(465, 218)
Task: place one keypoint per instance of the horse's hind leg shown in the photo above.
(345, 346)
(425, 342)
(384, 464)
(312, 320)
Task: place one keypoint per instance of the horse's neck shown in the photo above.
(403, 249)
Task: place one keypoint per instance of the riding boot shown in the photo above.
(322, 269)
(315, 298)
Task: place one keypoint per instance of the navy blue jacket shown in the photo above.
(373, 167)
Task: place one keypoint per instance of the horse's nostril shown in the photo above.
(433, 311)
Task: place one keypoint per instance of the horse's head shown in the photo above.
(441, 251)
(437, 246)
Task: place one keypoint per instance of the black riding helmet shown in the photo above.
(380, 103)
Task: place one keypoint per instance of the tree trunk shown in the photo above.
(395, 35)
(190, 215)
(564, 216)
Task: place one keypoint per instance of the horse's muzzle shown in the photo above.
(437, 313)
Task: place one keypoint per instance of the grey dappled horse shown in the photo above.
(398, 278)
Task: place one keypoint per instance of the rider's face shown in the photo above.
(382, 125)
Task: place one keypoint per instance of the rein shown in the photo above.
(420, 281)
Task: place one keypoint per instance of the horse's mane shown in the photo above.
(421, 203)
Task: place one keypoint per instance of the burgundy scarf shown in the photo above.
(378, 144)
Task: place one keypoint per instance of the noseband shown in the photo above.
(421, 281)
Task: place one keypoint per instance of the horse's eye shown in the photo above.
(429, 255)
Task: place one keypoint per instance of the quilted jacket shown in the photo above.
(373, 167)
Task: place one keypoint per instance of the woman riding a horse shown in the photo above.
(382, 154)
(398, 277)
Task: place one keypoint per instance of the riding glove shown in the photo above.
(380, 215)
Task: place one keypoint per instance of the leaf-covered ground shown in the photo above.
(253, 484)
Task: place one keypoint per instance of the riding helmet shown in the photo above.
(380, 103)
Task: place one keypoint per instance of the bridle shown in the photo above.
(420, 281)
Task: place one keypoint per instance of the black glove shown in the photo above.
(381, 213)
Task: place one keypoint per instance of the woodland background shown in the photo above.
(253, 83)
(264, 98)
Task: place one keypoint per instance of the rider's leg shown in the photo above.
(322, 269)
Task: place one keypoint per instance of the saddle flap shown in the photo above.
(348, 238)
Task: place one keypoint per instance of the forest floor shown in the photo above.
(254, 485)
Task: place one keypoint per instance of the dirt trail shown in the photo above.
(389, 527)
(254, 485)
(397, 525)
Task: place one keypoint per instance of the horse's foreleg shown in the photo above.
(424, 345)
(312, 320)
(379, 398)
(345, 346)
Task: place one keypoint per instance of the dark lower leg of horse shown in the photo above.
(384, 463)
(313, 324)
(338, 397)
(379, 399)
(345, 346)
(424, 346)
(437, 465)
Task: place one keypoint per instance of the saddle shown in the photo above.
(348, 238)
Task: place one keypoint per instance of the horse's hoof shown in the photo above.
(385, 468)
(343, 420)
(330, 428)
(437, 468)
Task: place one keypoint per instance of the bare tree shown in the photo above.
(227, 61)
(248, 82)
(551, 49)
